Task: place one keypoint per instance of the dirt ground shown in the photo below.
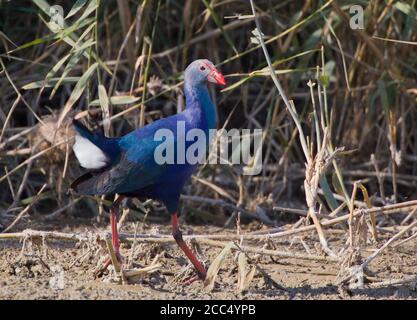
(56, 269)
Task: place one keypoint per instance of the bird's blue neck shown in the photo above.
(197, 98)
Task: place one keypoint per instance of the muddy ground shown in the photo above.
(56, 269)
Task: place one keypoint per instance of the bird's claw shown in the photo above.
(99, 273)
(189, 281)
(199, 276)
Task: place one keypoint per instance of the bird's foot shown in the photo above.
(118, 261)
(200, 276)
(191, 280)
(99, 272)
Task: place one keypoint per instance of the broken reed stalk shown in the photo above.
(113, 257)
(314, 169)
(266, 276)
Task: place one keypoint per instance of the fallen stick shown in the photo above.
(28, 233)
(412, 279)
(377, 252)
(405, 240)
(268, 252)
(130, 273)
(386, 244)
(389, 209)
(299, 212)
(159, 239)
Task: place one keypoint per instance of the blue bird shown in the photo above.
(127, 165)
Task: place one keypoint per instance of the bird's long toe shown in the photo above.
(98, 273)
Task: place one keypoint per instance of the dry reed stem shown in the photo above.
(25, 210)
(315, 167)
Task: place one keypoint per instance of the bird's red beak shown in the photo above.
(216, 77)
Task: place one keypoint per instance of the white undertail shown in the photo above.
(88, 154)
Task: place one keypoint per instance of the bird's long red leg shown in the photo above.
(113, 222)
(114, 234)
(176, 232)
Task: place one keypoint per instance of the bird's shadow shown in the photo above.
(306, 291)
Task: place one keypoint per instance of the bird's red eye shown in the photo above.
(202, 68)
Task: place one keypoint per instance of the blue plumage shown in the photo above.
(127, 165)
(131, 169)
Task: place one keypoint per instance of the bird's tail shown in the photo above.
(83, 131)
(90, 148)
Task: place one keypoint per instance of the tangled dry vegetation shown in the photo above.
(337, 106)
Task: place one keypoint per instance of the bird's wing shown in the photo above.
(127, 175)
(136, 166)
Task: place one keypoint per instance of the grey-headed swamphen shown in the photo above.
(127, 166)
